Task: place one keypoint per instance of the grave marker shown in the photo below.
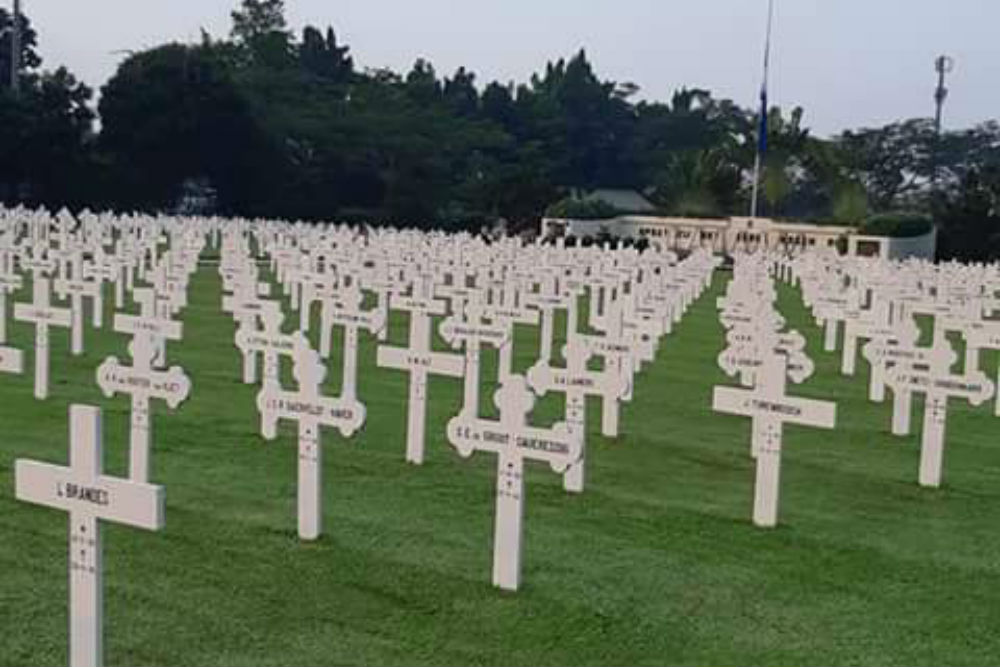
(311, 410)
(419, 361)
(90, 497)
(770, 408)
(514, 442)
(938, 385)
(43, 315)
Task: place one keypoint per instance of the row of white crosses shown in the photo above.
(81, 489)
(476, 295)
(307, 406)
(877, 301)
(764, 358)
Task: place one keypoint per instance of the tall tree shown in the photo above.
(261, 33)
(30, 60)
(174, 113)
(324, 58)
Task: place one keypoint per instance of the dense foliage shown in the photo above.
(899, 225)
(270, 123)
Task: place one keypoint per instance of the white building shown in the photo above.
(726, 235)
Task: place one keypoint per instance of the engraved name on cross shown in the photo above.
(90, 497)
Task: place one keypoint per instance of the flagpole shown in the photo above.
(762, 127)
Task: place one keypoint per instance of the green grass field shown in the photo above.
(656, 563)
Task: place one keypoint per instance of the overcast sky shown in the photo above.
(849, 63)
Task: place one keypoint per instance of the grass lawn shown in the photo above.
(657, 562)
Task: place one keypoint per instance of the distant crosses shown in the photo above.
(142, 383)
(770, 408)
(246, 305)
(472, 333)
(42, 314)
(90, 497)
(984, 335)
(506, 311)
(578, 382)
(885, 353)
(10, 282)
(154, 317)
(267, 341)
(77, 288)
(311, 410)
(344, 310)
(938, 384)
(420, 361)
(514, 442)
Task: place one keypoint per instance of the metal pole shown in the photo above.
(943, 65)
(15, 49)
(763, 97)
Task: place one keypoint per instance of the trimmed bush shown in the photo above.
(897, 225)
(579, 209)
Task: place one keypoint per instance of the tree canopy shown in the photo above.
(285, 124)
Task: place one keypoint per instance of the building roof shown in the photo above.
(628, 201)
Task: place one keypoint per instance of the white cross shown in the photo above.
(508, 313)
(938, 385)
(343, 309)
(43, 315)
(577, 382)
(268, 341)
(769, 408)
(472, 333)
(547, 300)
(78, 288)
(10, 282)
(513, 441)
(246, 307)
(420, 361)
(750, 349)
(90, 497)
(860, 324)
(142, 383)
(311, 410)
(983, 335)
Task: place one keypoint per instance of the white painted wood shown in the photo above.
(43, 315)
(311, 410)
(769, 409)
(577, 382)
(419, 361)
(141, 382)
(472, 335)
(937, 385)
(89, 497)
(514, 441)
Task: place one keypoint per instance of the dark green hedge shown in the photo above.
(578, 209)
(897, 225)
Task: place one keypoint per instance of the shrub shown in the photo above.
(903, 224)
(580, 209)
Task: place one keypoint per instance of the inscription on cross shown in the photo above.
(514, 442)
(43, 315)
(141, 382)
(472, 333)
(770, 408)
(77, 288)
(311, 410)
(577, 382)
(420, 361)
(938, 384)
(89, 497)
